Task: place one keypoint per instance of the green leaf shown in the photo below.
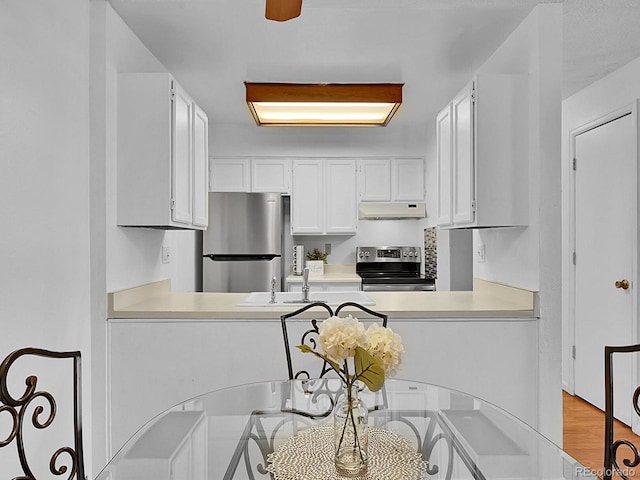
(308, 349)
(368, 370)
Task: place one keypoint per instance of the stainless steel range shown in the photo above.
(392, 269)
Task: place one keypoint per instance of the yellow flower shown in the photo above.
(339, 337)
(385, 346)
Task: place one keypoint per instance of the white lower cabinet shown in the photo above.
(157, 363)
(184, 459)
(323, 197)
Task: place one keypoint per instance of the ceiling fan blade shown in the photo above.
(282, 10)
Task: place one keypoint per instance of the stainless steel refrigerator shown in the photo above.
(242, 247)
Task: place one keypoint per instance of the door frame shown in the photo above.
(632, 109)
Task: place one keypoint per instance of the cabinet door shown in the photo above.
(270, 175)
(444, 160)
(340, 197)
(181, 156)
(307, 197)
(229, 175)
(199, 457)
(180, 464)
(463, 157)
(375, 180)
(408, 179)
(200, 170)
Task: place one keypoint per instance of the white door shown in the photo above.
(181, 156)
(307, 197)
(605, 246)
(444, 159)
(229, 174)
(463, 157)
(270, 175)
(408, 179)
(200, 167)
(375, 180)
(341, 209)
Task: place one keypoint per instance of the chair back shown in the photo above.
(610, 446)
(67, 461)
(310, 336)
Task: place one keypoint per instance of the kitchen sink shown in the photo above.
(262, 299)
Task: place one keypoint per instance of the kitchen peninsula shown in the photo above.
(483, 342)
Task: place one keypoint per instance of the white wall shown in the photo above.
(120, 257)
(134, 255)
(529, 257)
(44, 153)
(616, 90)
(370, 233)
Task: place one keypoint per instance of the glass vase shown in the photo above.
(350, 423)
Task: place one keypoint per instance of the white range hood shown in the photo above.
(390, 210)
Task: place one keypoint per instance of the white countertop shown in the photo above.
(488, 300)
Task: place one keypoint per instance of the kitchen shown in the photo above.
(110, 258)
(244, 141)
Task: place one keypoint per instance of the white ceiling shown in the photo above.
(432, 46)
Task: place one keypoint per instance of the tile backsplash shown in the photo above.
(430, 252)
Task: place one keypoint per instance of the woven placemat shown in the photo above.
(309, 455)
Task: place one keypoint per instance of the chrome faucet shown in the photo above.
(273, 290)
(305, 285)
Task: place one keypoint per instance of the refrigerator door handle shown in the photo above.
(240, 257)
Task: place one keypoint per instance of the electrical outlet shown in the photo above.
(481, 254)
(327, 248)
(166, 254)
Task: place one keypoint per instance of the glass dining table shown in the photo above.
(283, 430)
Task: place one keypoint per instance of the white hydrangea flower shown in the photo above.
(385, 346)
(339, 337)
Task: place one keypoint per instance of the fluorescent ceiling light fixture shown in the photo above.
(345, 104)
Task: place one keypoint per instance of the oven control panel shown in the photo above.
(388, 254)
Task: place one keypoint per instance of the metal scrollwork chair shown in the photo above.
(42, 416)
(317, 386)
(611, 447)
(310, 336)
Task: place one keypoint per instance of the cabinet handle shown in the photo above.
(623, 284)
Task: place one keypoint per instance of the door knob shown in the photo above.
(623, 284)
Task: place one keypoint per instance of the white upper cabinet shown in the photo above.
(341, 207)
(162, 181)
(230, 174)
(307, 197)
(407, 176)
(375, 180)
(444, 160)
(181, 163)
(323, 197)
(463, 181)
(200, 167)
(483, 158)
(391, 179)
(269, 175)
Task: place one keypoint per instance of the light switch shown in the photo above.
(166, 254)
(481, 255)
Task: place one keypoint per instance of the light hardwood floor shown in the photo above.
(583, 434)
